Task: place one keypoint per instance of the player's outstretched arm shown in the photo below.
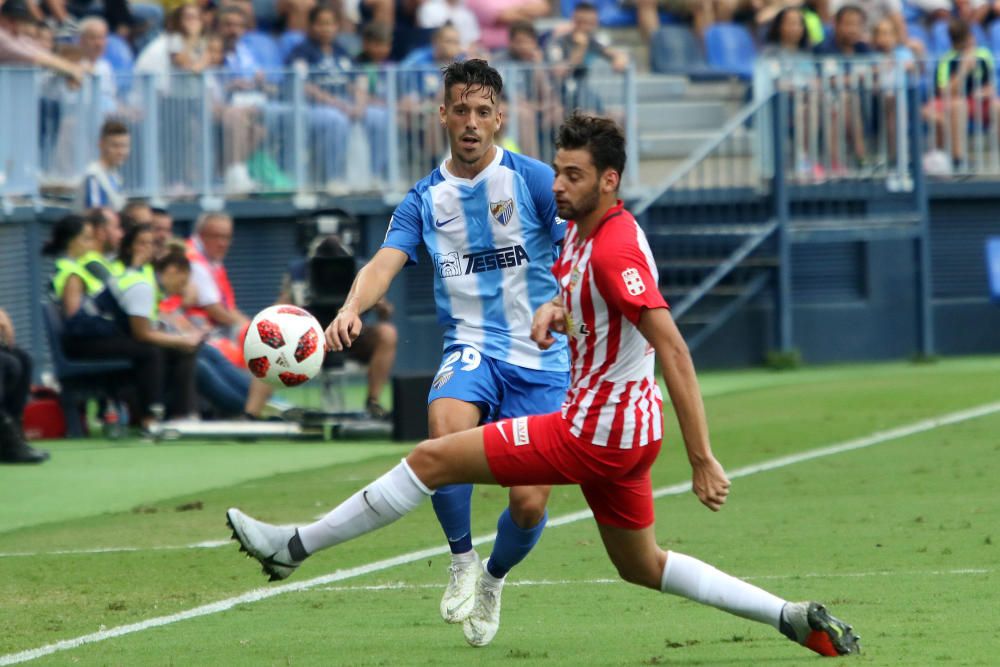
(370, 285)
(709, 481)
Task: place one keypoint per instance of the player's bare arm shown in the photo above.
(370, 285)
(708, 480)
(549, 317)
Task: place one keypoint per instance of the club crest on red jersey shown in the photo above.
(633, 281)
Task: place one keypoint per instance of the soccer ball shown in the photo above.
(284, 346)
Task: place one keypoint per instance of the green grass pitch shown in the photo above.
(901, 538)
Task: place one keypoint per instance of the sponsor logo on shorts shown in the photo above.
(442, 379)
(521, 431)
(633, 281)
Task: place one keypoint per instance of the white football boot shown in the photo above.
(267, 543)
(482, 624)
(460, 594)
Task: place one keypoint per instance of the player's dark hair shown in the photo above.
(63, 232)
(175, 256)
(585, 7)
(601, 137)
(126, 251)
(475, 75)
(113, 128)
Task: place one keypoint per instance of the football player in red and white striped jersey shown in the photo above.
(608, 433)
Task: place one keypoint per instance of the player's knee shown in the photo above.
(427, 463)
(527, 509)
(388, 336)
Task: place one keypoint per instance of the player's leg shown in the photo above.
(459, 457)
(520, 526)
(462, 395)
(624, 511)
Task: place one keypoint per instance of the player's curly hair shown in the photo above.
(475, 75)
(601, 137)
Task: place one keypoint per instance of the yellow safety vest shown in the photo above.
(66, 267)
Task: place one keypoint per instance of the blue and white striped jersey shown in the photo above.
(493, 242)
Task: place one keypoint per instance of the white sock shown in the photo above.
(380, 503)
(467, 557)
(488, 579)
(698, 581)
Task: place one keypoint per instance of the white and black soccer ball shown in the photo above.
(284, 346)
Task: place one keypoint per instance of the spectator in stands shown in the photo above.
(496, 16)
(207, 249)
(877, 10)
(136, 212)
(329, 90)
(897, 61)
(850, 37)
(788, 47)
(376, 346)
(72, 285)
(181, 48)
(965, 86)
(581, 46)
(539, 109)
(163, 231)
(376, 47)
(93, 43)
(15, 385)
(102, 184)
(164, 362)
(435, 13)
(101, 261)
(17, 48)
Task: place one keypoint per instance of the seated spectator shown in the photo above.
(17, 48)
(214, 302)
(376, 47)
(163, 232)
(539, 110)
(102, 183)
(574, 53)
(376, 346)
(15, 385)
(102, 260)
(897, 61)
(581, 46)
(877, 10)
(329, 90)
(181, 48)
(964, 89)
(788, 45)
(164, 362)
(496, 16)
(72, 285)
(436, 13)
(849, 38)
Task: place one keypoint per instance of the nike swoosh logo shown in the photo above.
(364, 496)
(438, 223)
(500, 428)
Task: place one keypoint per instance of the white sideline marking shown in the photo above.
(403, 586)
(209, 544)
(403, 559)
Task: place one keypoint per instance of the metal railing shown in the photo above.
(285, 133)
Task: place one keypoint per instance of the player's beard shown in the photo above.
(581, 209)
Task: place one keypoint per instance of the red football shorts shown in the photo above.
(528, 451)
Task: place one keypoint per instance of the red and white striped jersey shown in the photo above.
(606, 281)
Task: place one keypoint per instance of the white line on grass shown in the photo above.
(209, 544)
(403, 559)
(403, 586)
